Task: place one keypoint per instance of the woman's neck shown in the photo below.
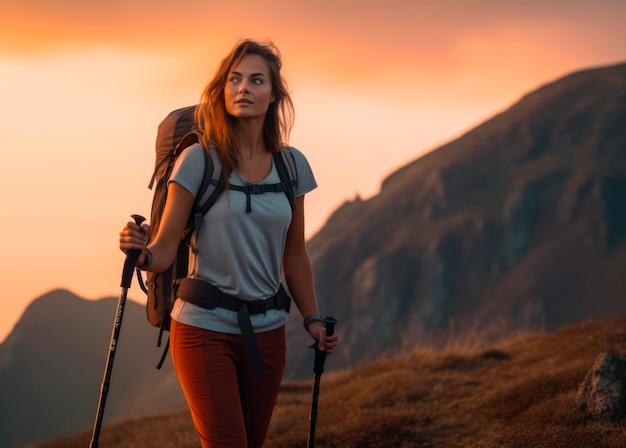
(249, 137)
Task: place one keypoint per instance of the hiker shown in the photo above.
(246, 242)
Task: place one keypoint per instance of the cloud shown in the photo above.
(426, 26)
(362, 44)
(384, 49)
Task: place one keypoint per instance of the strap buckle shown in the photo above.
(257, 307)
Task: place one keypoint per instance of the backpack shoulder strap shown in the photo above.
(210, 189)
(212, 184)
(286, 166)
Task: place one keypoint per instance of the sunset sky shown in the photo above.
(376, 84)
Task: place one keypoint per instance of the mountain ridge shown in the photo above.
(469, 225)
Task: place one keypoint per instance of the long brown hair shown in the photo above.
(218, 126)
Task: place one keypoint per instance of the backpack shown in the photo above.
(175, 133)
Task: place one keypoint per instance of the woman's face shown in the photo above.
(248, 91)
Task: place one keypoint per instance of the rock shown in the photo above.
(602, 393)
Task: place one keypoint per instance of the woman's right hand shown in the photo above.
(133, 236)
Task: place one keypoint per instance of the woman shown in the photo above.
(246, 244)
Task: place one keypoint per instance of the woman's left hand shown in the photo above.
(317, 330)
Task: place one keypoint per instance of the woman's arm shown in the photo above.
(175, 215)
(299, 277)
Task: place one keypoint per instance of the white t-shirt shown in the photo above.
(240, 253)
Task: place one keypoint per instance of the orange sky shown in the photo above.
(375, 84)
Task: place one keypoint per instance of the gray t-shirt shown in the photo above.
(240, 253)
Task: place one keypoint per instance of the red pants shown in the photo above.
(231, 408)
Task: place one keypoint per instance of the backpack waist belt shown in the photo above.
(208, 296)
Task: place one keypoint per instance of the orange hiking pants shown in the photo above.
(231, 408)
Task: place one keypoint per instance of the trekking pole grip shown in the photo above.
(138, 219)
(131, 258)
(320, 355)
(330, 323)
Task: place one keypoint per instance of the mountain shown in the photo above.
(519, 224)
(52, 363)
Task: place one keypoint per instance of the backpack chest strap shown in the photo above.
(257, 189)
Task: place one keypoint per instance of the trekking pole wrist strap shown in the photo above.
(310, 319)
(147, 261)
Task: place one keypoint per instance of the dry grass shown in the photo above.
(518, 393)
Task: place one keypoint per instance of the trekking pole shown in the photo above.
(318, 369)
(127, 276)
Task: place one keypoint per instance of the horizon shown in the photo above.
(67, 191)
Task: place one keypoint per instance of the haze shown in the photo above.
(375, 84)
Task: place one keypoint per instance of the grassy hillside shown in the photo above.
(517, 393)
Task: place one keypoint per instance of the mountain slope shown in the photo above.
(51, 369)
(521, 220)
(518, 393)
